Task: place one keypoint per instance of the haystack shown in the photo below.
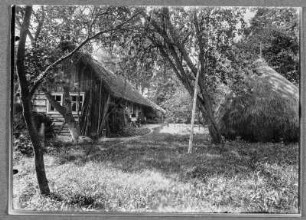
(267, 111)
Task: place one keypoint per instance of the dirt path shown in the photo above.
(180, 131)
(152, 128)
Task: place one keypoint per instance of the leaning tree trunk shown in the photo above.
(214, 132)
(175, 53)
(65, 111)
(69, 118)
(73, 127)
(27, 107)
(207, 113)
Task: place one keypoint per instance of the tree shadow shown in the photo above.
(167, 153)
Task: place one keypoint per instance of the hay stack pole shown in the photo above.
(194, 109)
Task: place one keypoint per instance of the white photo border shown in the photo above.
(5, 113)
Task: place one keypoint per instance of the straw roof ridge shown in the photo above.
(278, 82)
(117, 85)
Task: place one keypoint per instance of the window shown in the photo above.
(76, 102)
(58, 98)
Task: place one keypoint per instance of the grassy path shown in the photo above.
(154, 173)
(151, 127)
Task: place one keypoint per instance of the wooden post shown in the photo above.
(194, 105)
(99, 106)
(104, 115)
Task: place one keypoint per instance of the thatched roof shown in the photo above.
(116, 85)
(267, 111)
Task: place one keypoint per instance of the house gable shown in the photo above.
(99, 95)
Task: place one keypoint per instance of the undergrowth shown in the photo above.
(155, 174)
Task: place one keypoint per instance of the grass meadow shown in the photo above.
(154, 173)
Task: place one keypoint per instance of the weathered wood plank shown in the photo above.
(40, 108)
(55, 116)
(39, 96)
(39, 102)
(57, 123)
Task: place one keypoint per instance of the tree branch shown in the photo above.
(27, 31)
(159, 30)
(42, 76)
(170, 42)
(54, 103)
(21, 53)
(174, 36)
(180, 73)
(40, 24)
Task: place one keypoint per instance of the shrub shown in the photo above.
(22, 142)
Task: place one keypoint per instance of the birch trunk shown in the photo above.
(194, 105)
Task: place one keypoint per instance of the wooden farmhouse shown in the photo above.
(101, 101)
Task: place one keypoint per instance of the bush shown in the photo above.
(22, 142)
(19, 125)
(23, 145)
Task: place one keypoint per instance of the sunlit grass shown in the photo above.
(155, 174)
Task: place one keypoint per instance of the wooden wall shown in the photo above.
(101, 111)
(40, 104)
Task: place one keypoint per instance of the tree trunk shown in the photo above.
(216, 137)
(207, 113)
(73, 127)
(194, 105)
(38, 149)
(27, 107)
(65, 111)
(174, 52)
(69, 118)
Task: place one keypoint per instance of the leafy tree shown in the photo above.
(218, 37)
(187, 35)
(27, 105)
(177, 104)
(180, 37)
(275, 32)
(68, 26)
(132, 56)
(32, 75)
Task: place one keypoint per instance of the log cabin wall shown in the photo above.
(94, 122)
(94, 117)
(83, 83)
(102, 113)
(97, 116)
(41, 104)
(117, 118)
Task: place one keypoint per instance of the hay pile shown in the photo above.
(266, 112)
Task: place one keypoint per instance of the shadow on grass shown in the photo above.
(167, 153)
